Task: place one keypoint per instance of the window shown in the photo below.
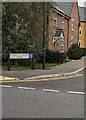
(55, 22)
(71, 42)
(58, 33)
(63, 20)
(72, 25)
(72, 20)
(55, 19)
(72, 37)
(80, 32)
(79, 43)
(54, 39)
(72, 30)
(55, 45)
(54, 32)
(62, 45)
(62, 51)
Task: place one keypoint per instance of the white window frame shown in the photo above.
(72, 30)
(72, 25)
(63, 19)
(55, 21)
(79, 42)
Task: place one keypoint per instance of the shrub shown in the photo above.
(83, 51)
(75, 52)
(54, 56)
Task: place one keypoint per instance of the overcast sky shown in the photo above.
(81, 2)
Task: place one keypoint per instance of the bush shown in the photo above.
(75, 52)
(54, 56)
(83, 51)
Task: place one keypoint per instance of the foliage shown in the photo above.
(21, 27)
(37, 66)
(54, 57)
(83, 51)
(75, 52)
(22, 31)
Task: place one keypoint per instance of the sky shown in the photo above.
(81, 2)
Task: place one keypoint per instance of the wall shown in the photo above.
(82, 37)
(60, 25)
(74, 26)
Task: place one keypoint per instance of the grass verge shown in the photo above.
(37, 66)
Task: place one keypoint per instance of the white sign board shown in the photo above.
(19, 55)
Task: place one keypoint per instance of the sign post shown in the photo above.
(32, 56)
(8, 61)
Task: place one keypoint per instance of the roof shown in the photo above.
(66, 7)
(82, 14)
(58, 10)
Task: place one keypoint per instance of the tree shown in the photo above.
(21, 26)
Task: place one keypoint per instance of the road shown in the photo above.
(44, 99)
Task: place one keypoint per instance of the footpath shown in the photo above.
(68, 68)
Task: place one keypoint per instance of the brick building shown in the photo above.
(63, 26)
(82, 29)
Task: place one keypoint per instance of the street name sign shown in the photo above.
(31, 55)
(19, 56)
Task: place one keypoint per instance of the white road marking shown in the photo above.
(47, 90)
(50, 90)
(5, 86)
(73, 92)
(27, 88)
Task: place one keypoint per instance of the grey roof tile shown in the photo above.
(82, 14)
(66, 7)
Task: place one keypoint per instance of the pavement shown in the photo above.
(69, 68)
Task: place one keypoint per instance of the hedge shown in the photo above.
(75, 52)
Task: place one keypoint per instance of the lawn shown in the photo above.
(37, 66)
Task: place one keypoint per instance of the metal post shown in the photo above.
(8, 60)
(44, 34)
(9, 40)
(33, 64)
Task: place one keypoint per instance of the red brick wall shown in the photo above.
(50, 30)
(59, 25)
(74, 34)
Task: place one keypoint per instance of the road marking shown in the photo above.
(27, 88)
(44, 79)
(5, 86)
(79, 69)
(47, 90)
(7, 78)
(73, 92)
(50, 90)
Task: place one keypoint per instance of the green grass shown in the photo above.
(37, 66)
